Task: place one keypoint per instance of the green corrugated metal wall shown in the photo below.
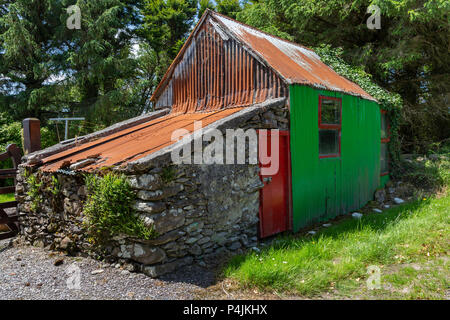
(325, 188)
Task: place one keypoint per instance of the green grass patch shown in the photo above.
(7, 197)
(337, 258)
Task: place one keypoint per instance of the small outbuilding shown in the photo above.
(331, 148)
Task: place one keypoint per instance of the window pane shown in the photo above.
(328, 142)
(384, 126)
(384, 156)
(330, 111)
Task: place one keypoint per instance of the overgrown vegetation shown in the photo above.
(168, 174)
(430, 172)
(107, 71)
(42, 187)
(109, 210)
(337, 258)
(34, 184)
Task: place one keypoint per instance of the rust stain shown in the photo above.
(293, 62)
(278, 63)
(215, 72)
(317, 74)
(223, 66)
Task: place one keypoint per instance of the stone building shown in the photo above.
(227, 76)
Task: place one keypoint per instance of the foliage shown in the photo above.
(100, 59)
(408, 55)
(10, 131)
(109, 209)
(167, 24)
(34, 184)
(428, 172)
(107, 71)
(229, 8)
(168, 174)
(54, 189)
(48, 137)
(203, 5)
(48, 70)
(28, 55)
(42, 186)
(337, 257)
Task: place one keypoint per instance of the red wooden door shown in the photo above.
(275, 196)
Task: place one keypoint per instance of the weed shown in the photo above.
(109, 209)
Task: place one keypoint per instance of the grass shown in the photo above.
(336, 259)
(7, 197)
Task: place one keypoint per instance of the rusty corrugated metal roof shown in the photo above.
(130, 144)
(292, 62)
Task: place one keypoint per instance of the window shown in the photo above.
(329, 127)
(384, 152)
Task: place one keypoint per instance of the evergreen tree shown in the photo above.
(203, 5)
(166, 26)
(46, 68)
(30, 56)
(229, 8)
(100, 59)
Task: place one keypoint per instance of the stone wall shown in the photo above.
(201, 213)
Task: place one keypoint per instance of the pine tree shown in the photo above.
(203, 5)
(100, 58)
(229, 8)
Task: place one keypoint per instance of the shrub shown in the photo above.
(430, 172)
(109, 209)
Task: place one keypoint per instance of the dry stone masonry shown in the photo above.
(201, 213)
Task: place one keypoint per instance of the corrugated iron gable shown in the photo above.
(216, 71)
(288, 62)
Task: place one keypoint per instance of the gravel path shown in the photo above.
(30, 273)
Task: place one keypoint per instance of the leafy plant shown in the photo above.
(54, 189)
(34, 190)
(109, 209)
